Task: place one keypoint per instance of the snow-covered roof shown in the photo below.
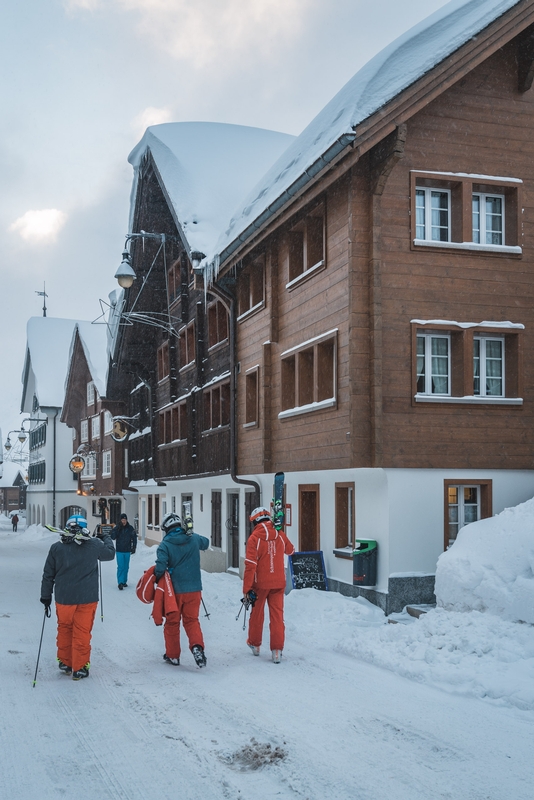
(391, 71)
(207, 168)
(11, 470)
(94, 340)
(47, 354)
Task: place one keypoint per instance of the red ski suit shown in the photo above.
(265, 574)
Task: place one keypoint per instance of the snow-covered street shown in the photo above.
(324, 723)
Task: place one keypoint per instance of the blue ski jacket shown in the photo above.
(179, 553)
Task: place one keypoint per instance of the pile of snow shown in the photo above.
(490, 567)
(472, 654)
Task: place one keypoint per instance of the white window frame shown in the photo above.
(95, 427)
(89, 470)
(84, 430)
(428, 190)
(428, 363)
(108, 422)
(483, 232)
(483, 364)
(90, 393)
(106, 463)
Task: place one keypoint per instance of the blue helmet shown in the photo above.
(78, 519)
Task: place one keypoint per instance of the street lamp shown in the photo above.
(125, 274)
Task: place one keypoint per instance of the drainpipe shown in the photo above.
(228, 300)
(54, 474)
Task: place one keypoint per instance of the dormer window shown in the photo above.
(90, 393)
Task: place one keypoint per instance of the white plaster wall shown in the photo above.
(416, 505)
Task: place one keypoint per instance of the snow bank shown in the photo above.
(473, 654)
(490, 567)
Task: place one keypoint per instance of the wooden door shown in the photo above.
(233, 529)
(309, 534)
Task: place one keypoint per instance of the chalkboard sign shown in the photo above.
(103, 529)
(307, 570)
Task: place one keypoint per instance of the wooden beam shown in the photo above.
(384, 156)
(525, 59)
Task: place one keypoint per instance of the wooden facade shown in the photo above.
(172, 378)
(105, 477)
(375, 281)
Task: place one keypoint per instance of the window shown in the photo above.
(433, 364)
(38, 437)
(89, 470)
(173, 281)
(108, 422)
(106, 463)
(186, 342)
(309, 376)
(466, 212)
(467, 362)
(251, 288)
(84, 431)
(90, 393)
(150, 510)
(488, 219)
(217, 324)
(309, 517)
(95, 427)
(465, 502)
(163, 361)
(252, 410)
(488, 363)
(173, 424)
(37, 472)
(345, 515)
(306, 246)
(216, 519)
(216, 406)
(432, 211)
(156, 510)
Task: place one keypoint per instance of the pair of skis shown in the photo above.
(278, 501)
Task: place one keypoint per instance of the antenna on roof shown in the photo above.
(44, 295)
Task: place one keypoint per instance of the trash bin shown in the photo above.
(364, 559)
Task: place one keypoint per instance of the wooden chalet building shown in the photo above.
(170, 370)
(103, 485)
(383, 279)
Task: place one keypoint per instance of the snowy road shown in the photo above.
(332, 726)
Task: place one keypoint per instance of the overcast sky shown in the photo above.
(81, 80)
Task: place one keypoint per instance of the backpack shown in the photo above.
(146, 586)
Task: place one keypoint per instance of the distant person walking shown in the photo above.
(179, 554)
(126, 539)
(71, 572)
(15, 522)
(265, 581)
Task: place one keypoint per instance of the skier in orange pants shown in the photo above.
(71, 571)
(265, 576)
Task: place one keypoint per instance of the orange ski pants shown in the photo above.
(74, 626)
(275, 601)
(188, 608)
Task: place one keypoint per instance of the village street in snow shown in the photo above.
(323, 723)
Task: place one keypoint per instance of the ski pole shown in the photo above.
(205, 609)
(46, 614)
(101, 598)
(240, 610)
(245, 617)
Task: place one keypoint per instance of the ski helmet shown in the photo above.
(170, 521)
(78, 519)
(259, 514)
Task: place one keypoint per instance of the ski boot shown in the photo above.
(199, 655)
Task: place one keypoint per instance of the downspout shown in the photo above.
(54, 474)
(228, 300)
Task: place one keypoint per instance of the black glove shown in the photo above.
(133, 552)
(47, 602)
(249, 599)
(158, 577)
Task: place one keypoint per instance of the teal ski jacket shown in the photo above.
(179, 553)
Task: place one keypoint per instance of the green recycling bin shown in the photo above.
(364, 559)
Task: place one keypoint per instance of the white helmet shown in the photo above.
(259, 514)
(170, 521)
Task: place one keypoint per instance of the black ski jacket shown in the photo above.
(126, 538)
(71, 570)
